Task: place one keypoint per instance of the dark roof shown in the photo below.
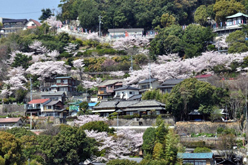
(53, 102)
(126, 30)
(107, 104)
(109, 82)
(148, 80)
(195, 155)
(63, 77)
(147, 103)
(123, 104)
(135, 97)
(126, 88)
(172, 82)
(14, 20)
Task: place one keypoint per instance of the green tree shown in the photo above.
(161, 132)
(171, 147)
(122, 162)
(98, 126)
(21, 60)
(167, 20)
(158, 151)
(46, 13)
(202, 150)
(69, 146)
(201, 15)
(224, 8)
(149, 138)
(11, 149)
(236, 42)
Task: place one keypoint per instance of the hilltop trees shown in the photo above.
(192, 94)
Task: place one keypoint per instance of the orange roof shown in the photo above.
(9, 120)
(38, 101)
(36, 22)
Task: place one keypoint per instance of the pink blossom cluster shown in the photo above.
(16, 81)
(47, 69)
(130, 42)
(71, 49)
(93, 37)
(89, 84)
(117, 73)
(88, 118)
(126, 142)
(172, 67)
(53, 22)
(78, 63)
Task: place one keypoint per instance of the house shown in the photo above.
(54, 108)
(197, 158)
(54, 95)
(106, 89)
(167, 85)
(31, 24)
(144, 107)
(12, 25)
(106, 107)
(74, 107)
(36, 106)
(121, 33)
(125, 92)
(10, 122)
(232, 24)
(66, 84)
(148, 84)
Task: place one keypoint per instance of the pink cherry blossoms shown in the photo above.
(117, 73)
(130, 42)
(93, 37)
(53, 22)
(88, 118)
(173, 67)
(16, 81)
(47, 69)
(126, 142)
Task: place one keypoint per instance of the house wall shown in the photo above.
(126, 93)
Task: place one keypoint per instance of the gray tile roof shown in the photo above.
(106, 104)
(135, 97)
(109, 82)
(172, 82)
(147, 80)
(126, 88)
(52, 102)
(147, 103)
(51, 93)
(123, 104)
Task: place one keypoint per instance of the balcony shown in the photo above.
(102, 92)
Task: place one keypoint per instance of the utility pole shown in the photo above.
(30, 89)
(30, 120)
(53, 11)
(100, 21)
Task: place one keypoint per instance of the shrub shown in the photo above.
(121, 162)
(202, 150)
(98, 126)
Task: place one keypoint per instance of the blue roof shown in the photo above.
(195, 155)
(92, 104)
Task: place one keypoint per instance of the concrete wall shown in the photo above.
(204, 127)
(13, 109)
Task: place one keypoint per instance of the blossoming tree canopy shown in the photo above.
(88, 118)
(47, 69)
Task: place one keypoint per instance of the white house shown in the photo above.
(36, 106)
(125, 92)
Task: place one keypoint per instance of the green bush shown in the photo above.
(194, 144)
(121, 162)
(98, 126)
(202, 150)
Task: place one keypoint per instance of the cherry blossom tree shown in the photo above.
(15, 82)
(117, 73)
(71, 49)
(126, 142)
(79, 65)
(47, 69)
(81, 120)
(53, 22)
(93, 37)
(38, 47)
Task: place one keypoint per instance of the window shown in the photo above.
(130, 93)
(49, 107)
(58, 81)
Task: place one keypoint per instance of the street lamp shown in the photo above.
(118, 111)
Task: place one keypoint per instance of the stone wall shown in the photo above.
(204, 127)
(139, 122)
(13, 109)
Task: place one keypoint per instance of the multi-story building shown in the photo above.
(106, 89)
(12, 25)
(67, 84)
(126, 92)
(148, 84)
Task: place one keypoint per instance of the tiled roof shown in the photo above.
(51, 93)
(9, 120)
(14, 20)
(53, 102)
(106, 104)
(135, 97)
(147, 103)
(148, 80)
(195, 155)
(126, 88)
(172, 82)
(109, 82)
(63, 77)
(38, 101)
(36, 22)
(123, 104)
